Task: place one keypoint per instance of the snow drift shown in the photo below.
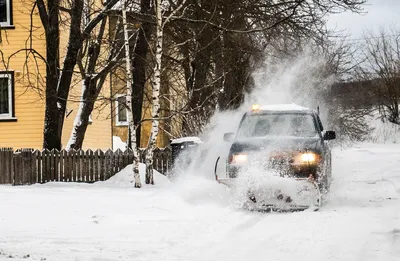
(124, 178)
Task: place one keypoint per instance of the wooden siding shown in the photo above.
(27, 131)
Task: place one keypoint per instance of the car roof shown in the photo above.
(282, 108)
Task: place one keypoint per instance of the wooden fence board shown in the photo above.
(96, 165)
(56, 165)
(35, 172)
(82, 166)
(50, 168)
(62, 163)
(90, 165)
(67, 166)
(73, 165)
(101, 163)
(26, 166)
(6, 155)
(17, 168)
(39, 166)
(9, 166)
(77, 165)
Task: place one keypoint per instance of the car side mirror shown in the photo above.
(229, 136)
(330, 135)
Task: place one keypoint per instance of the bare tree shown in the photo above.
(223, 41)
(59, 75)
(94, 69)
(382, 67)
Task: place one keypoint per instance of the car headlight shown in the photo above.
(238, 159)
(308, 157)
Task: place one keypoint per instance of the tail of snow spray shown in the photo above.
(286, 81)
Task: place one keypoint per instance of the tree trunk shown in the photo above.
(139, 63)
(74, 44)
(156, 83)
(58, 78)
(51, 139)
(132, 126)
(81, 122)
(90, 92)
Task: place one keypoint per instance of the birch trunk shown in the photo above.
(132, 127)
(156, 83)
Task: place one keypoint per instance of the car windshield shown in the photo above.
(277, 124)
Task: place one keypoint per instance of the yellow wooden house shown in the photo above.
(22, 79)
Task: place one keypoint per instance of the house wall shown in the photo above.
(118, 88)
(26, 130)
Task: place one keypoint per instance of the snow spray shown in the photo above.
(295, 80)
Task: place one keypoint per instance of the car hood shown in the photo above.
(274, 144)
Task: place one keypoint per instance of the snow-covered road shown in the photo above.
(193, 220)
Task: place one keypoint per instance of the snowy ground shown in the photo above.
(194, 220)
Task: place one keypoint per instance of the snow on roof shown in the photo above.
(283, 107)
(186, 139)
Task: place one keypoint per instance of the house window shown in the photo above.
(122, 116)
(6, 95)
(5, 13)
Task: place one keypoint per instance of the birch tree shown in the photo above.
(132, 127)
(156, 83)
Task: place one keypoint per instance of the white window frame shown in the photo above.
(118, 122)
(8, 115)
(8, 12)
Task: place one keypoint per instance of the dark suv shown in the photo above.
(287, 138)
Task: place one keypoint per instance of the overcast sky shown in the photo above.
(379, 13)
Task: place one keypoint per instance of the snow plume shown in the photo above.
(298, 80)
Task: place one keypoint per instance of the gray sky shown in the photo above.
(379, 13)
